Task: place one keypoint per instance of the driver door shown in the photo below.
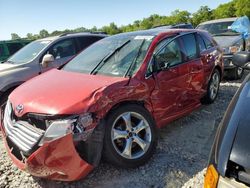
(62, 51)
(171, 80)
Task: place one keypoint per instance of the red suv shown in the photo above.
(110, 100)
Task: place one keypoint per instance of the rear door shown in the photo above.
(196, 74)
(171, 81)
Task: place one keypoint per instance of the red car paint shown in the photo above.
(167, 95)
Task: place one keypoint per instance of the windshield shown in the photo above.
(118, 55)
(28, 52)
(220, 28)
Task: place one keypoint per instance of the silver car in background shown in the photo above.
(41, 56)
(230, 41)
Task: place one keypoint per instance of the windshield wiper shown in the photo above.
(134, 61)
(107, 57)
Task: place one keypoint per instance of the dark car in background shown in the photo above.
(230, 41)
(40, 56)
(9, 47)
(229, 163)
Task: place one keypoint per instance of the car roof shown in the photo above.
(219, 20)
(69, 35)
(158, 31)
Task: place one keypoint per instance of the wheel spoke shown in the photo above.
(127, 118)
(140, 142)
(127, 150)
(119, 134)
(141, 126)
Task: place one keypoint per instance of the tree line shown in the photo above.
(234, 8)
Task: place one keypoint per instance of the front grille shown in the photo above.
(21, 133)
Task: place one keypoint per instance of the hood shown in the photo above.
(59, 92)
(232, 138)
(6, 67)
(227, 41)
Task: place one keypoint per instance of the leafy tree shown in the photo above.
(242, 8)
(180, 16)
(14, 36)
(43, 33)
(202, 15)
(226, 10)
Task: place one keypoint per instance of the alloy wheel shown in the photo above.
(214, 85)
(131, 135)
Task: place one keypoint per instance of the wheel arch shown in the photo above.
(141, 103)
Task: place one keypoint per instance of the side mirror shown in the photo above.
(242, 59)
(47, 59)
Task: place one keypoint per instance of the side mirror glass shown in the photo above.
(47, 59)
(242, 59)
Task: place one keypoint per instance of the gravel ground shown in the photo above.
(179, 161)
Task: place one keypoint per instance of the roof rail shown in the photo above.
(171, 25)
(87, 32)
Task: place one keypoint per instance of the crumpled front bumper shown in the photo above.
(57, 160)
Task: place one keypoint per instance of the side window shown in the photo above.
(209, 44)
(63, 49)
(84, 42)
(169, 56)
(190, 46)
(201, 44)
(14, 47)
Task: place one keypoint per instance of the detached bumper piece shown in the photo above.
(57, 160)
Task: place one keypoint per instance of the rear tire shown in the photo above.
(212, 88)
(130, 136)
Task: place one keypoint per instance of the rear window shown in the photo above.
(14, 47)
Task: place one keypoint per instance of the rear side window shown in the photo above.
(14, 47)
(84, 42)
(190, 46)
(63, 49)
(201, 43)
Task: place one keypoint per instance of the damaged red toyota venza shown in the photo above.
(109, 101)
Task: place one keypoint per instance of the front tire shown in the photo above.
(213, 88)
(130, 136)
(236, 73)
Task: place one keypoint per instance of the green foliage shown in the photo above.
(14, 36)
(242, 8)
(204, 13)
(226, 10)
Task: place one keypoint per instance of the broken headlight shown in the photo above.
(79, 126)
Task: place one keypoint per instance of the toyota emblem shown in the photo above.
(19, 108)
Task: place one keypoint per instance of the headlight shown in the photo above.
(211, 178)
(77, 126)
(234, 49)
